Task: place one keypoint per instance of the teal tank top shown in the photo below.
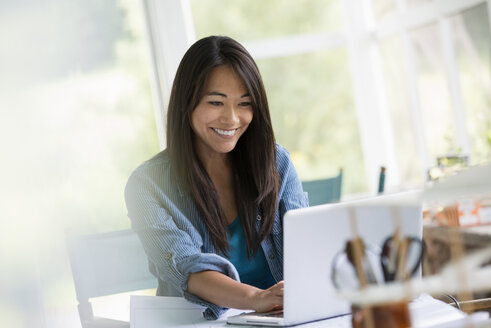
(254, 271)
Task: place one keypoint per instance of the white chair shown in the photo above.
(104, 264)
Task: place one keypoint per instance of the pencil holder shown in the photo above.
(392, 315)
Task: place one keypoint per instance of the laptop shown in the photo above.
(312, 238)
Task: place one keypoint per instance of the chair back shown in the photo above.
(107, 263)
(381, 180)
(324, 191)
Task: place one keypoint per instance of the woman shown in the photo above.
(209, 208)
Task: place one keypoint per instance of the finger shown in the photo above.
(278, 285)
(280, 288)
(278, 293)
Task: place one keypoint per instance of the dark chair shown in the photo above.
(381, 180)
(324, 191)
(104, 264)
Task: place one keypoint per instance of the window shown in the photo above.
(77, 118)
(317, 104)
(436, 70)
(436, 107)
(399, 103)
(411, 63)
(473, 47)
(407, 73)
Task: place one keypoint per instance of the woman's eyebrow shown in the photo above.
(216, 93)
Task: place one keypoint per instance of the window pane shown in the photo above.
(314, 116)
(249, 20)
(408, 158)
(382, 8)
(76, 119)
(438, 121)
(472, 42)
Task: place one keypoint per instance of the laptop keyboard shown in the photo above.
(275, 315)
(272, 314)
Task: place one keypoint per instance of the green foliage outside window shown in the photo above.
(246, 20)
(313, 115)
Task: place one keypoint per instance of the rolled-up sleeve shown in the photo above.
(171, 242)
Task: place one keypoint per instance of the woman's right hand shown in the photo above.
(268, 299)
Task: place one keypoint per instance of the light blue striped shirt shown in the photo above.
(176, 240)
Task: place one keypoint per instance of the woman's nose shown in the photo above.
(230, 115)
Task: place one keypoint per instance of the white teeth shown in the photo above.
(225, 132)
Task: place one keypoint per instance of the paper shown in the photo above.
(428, 312)
(157, 311)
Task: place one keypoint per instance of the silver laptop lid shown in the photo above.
(313, 236)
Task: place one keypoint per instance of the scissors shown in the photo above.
(343, 268)
(395, 248)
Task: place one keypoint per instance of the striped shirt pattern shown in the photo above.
(176, 240)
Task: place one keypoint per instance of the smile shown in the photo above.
(225, 132)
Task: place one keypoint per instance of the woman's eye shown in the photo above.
(245, 104)
(215, 103)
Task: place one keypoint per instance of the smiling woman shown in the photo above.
(210, 207)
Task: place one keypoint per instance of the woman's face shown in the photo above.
(223, 113)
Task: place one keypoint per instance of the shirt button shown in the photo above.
(168, 256)
(271, 256)
(258, 217)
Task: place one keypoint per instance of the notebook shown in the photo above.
(312, 238)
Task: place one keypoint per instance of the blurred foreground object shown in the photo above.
(458, 215)
(465, 213)
(475, 268)
(447, 165)
(469, 183)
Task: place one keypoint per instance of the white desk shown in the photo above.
(159, 312)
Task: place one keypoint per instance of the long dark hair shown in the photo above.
(253, 159)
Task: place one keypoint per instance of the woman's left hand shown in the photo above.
(268, 299)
